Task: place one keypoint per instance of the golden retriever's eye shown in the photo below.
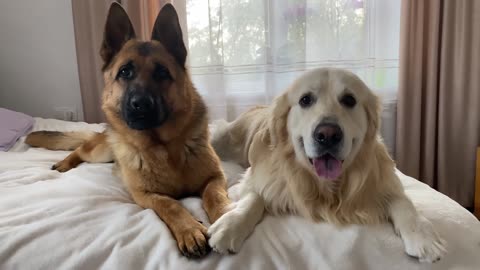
(126, 72)
(348, 101)
(306, 100)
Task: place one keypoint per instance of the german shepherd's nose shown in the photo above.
(143, 110)
(142, 104)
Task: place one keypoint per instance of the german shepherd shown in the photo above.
(158, 128)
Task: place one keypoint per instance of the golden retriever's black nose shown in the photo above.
(141, 103)
(328, 135)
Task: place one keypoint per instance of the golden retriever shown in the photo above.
(316, 152)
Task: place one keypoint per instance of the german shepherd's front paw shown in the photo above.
(192, 242)
(62, 166)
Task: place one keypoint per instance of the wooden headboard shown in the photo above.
(477, 186)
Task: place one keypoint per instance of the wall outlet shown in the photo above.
(66, 113)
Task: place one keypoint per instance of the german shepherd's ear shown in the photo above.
(118, 30)
(167, 31)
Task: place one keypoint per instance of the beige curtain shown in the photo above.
(89, 18)
(438, 125)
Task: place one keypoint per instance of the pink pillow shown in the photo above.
(13, 125)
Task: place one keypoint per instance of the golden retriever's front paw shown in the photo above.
(228, 233)
(192, 242)
(424, 243)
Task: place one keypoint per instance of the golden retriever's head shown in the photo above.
(328, 115)
(144, 80)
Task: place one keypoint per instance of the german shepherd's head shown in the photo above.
(146, 83)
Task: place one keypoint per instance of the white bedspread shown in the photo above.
(85, 219)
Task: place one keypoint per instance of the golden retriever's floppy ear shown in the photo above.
(277, 122)
(373, 107)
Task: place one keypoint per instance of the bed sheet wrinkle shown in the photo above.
(277, 245)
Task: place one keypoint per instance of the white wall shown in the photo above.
(38, 64)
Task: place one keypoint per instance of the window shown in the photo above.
(245, 52)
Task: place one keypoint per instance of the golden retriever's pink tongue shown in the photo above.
(328, 167)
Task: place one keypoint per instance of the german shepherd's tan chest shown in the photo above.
(158, 170)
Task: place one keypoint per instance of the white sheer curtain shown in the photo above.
(245, 52)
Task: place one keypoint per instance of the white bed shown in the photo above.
(85, 219)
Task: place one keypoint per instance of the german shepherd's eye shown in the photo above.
(348, 101)
(126, 72)
(161, 73)
(306, 100)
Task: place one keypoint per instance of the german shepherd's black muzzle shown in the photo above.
(143, 110)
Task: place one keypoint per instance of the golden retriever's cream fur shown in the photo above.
(276, 142)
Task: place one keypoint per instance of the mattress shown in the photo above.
(85, 219)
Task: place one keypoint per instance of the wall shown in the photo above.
(38, 64)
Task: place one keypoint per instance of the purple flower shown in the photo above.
(356, 4)
(293, 12)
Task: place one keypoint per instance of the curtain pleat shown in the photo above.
(438, 118)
